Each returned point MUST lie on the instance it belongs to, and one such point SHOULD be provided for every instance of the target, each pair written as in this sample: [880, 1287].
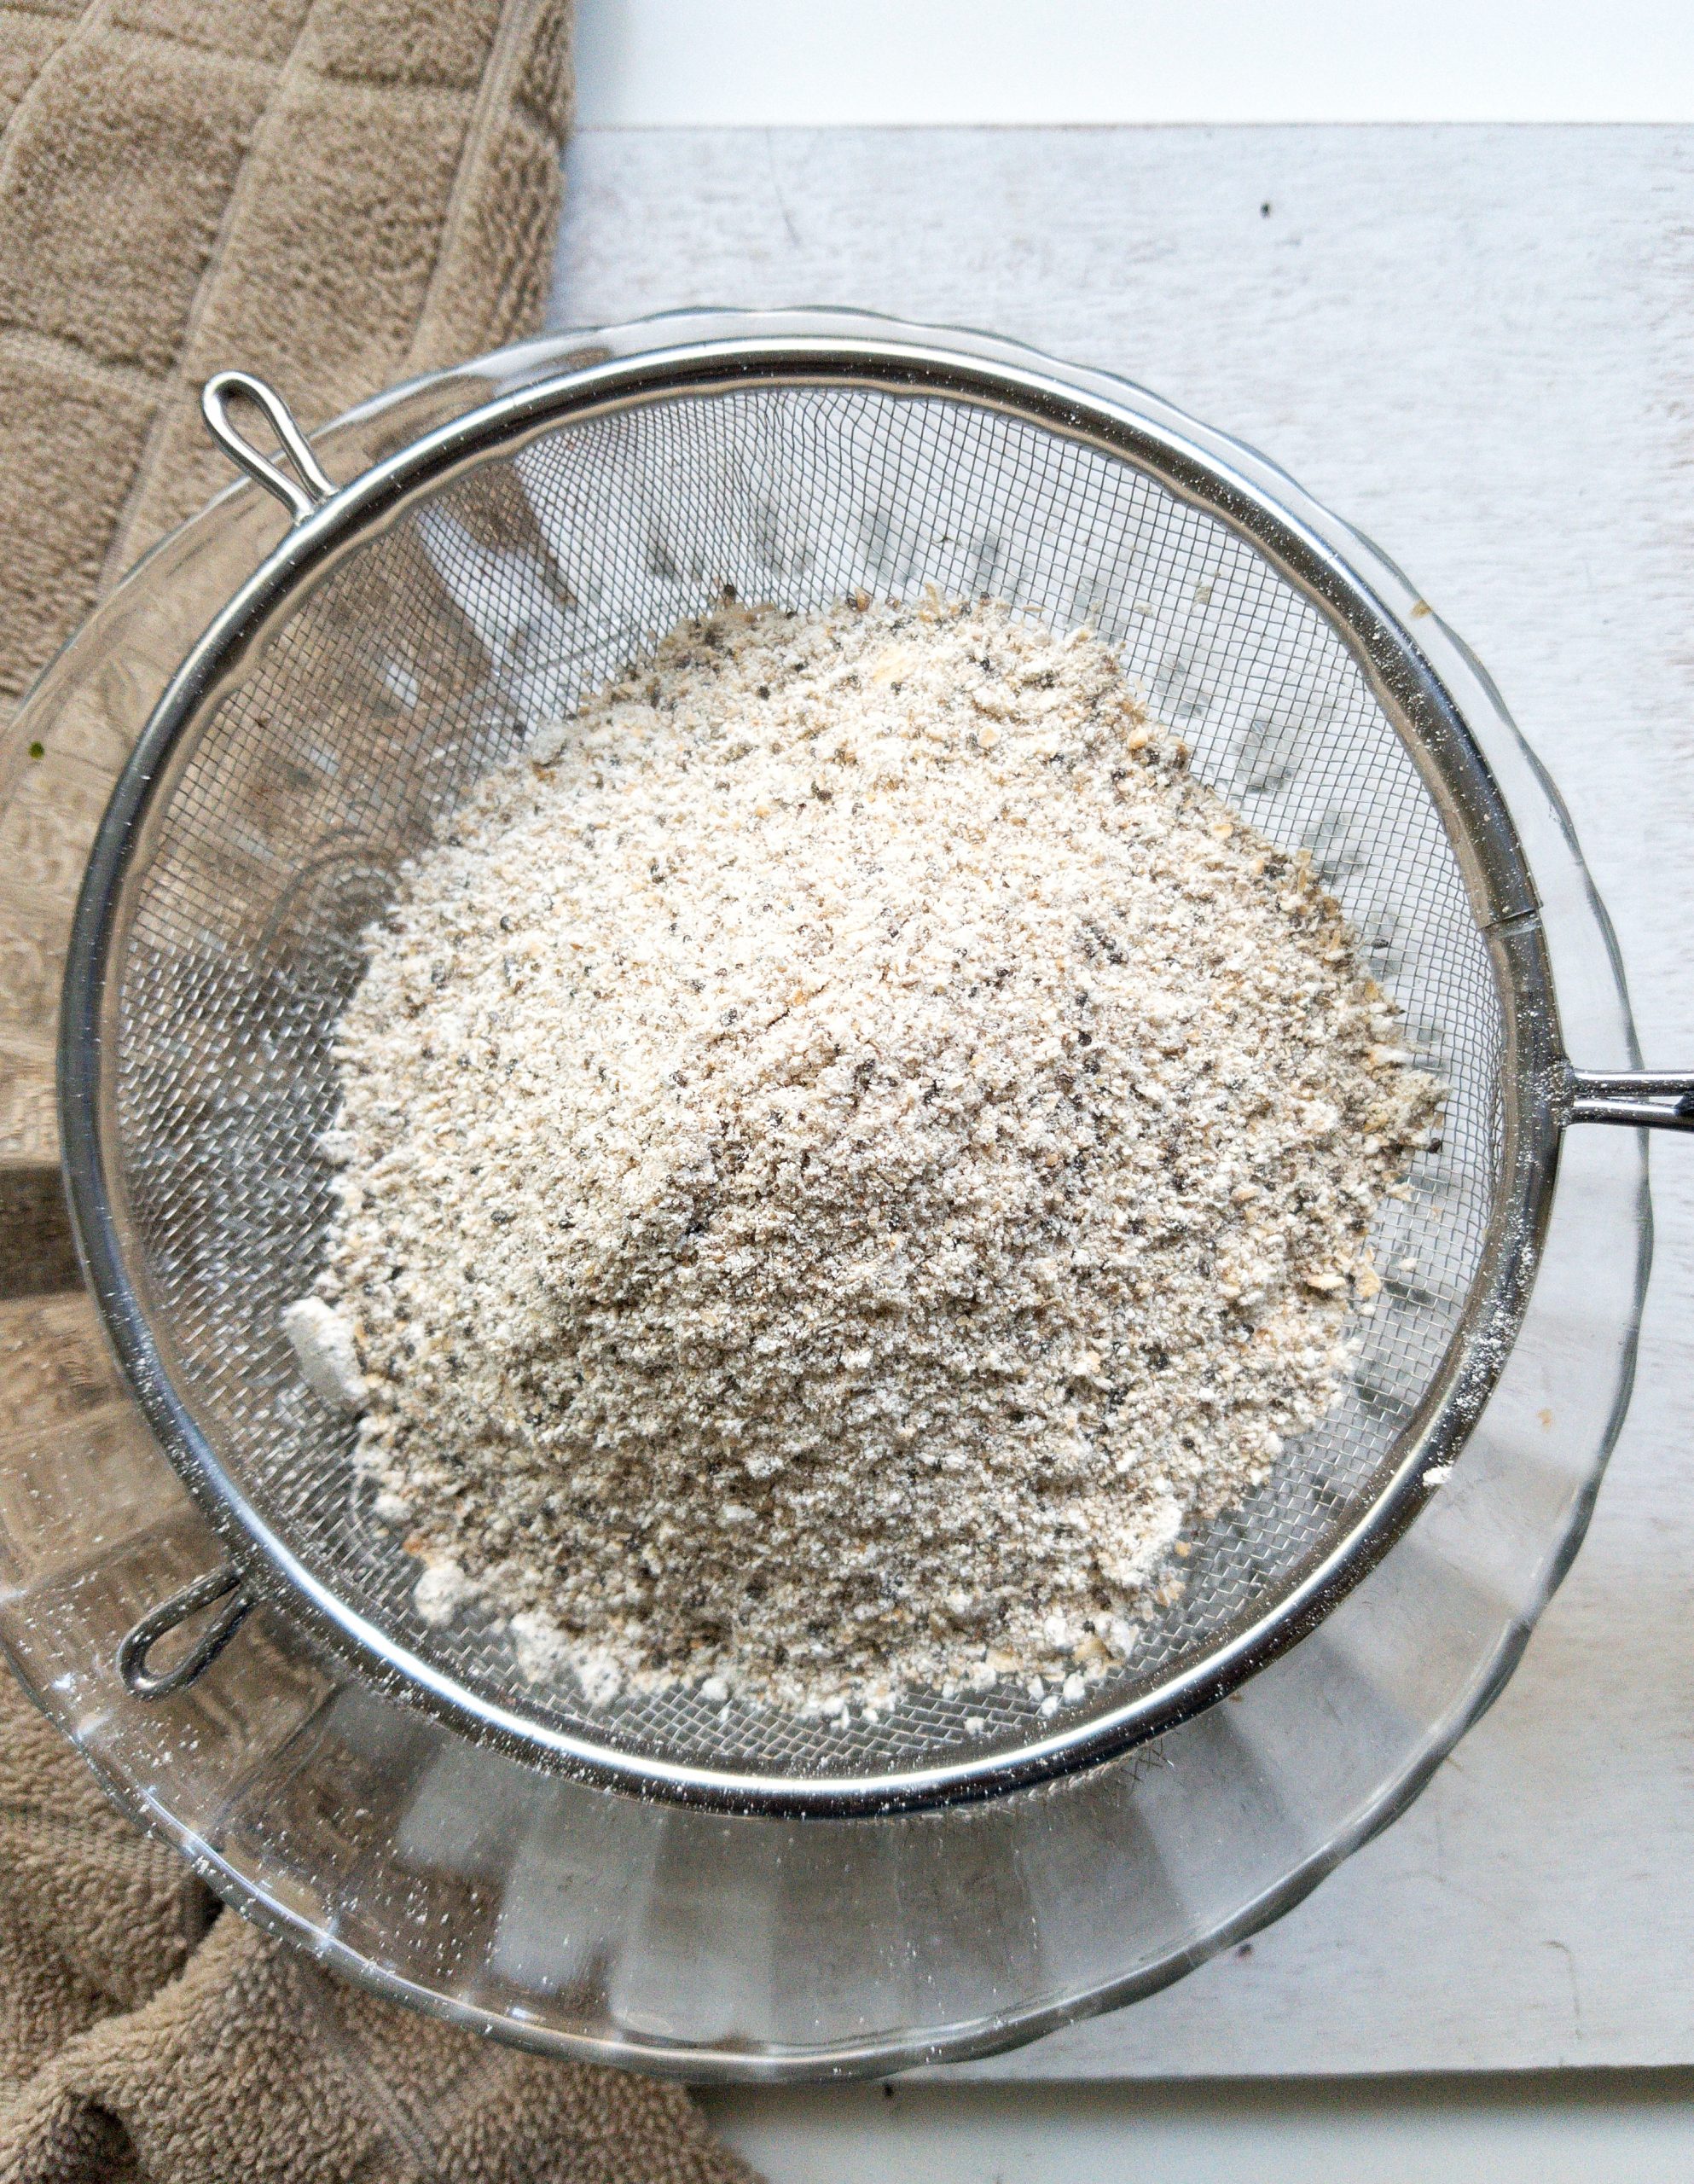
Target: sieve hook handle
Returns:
[309, 488]
[143, 1683]
[1640, 1099]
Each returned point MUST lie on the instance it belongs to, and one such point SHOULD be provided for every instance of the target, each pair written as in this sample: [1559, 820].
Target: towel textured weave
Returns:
[336, 193]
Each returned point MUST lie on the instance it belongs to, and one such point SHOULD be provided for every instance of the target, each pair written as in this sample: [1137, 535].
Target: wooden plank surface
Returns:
[1479, 346]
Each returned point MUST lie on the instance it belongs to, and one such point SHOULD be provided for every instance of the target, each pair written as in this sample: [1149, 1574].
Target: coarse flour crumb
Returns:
[846, 1152]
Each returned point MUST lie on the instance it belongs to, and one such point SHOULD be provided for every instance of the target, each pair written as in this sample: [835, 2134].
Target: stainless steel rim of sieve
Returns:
[1534, 1091]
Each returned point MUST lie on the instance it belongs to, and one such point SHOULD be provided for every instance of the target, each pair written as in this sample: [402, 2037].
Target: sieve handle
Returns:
[1640, 1099]
[309, 488]
[144, 1682]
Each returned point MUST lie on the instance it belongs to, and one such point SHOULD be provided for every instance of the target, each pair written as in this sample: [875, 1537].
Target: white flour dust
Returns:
[846, 1152]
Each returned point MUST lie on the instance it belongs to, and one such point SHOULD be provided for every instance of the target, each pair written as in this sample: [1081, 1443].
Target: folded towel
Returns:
[142, 2039]
[337, 194]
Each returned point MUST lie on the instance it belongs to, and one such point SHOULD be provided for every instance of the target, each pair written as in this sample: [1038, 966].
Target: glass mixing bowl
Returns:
[713, 1945]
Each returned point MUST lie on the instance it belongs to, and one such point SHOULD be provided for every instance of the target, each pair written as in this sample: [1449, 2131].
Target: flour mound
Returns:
[848, 1161]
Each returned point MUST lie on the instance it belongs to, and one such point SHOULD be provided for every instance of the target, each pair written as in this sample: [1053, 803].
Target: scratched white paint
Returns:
[1475, 343]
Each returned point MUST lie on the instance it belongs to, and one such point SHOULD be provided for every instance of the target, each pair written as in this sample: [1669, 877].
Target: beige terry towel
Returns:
[337, 194]
[143, 2043]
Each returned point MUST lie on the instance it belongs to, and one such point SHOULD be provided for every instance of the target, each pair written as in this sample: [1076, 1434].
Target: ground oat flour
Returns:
[846, 1150]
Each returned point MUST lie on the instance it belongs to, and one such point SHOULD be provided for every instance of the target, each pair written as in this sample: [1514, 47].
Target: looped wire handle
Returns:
[309, 488]
[138, 1643]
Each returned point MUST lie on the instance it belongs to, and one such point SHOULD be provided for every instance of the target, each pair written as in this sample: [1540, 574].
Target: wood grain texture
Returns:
[1474, 343]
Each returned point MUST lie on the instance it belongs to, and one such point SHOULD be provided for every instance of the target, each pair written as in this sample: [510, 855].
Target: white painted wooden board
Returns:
[647, 63]
[1479, 346]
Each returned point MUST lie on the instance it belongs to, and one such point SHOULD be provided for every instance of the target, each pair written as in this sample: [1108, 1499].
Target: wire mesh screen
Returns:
[492, 606]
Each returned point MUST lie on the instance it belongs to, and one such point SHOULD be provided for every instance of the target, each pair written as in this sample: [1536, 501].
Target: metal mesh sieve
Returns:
[418, 625]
